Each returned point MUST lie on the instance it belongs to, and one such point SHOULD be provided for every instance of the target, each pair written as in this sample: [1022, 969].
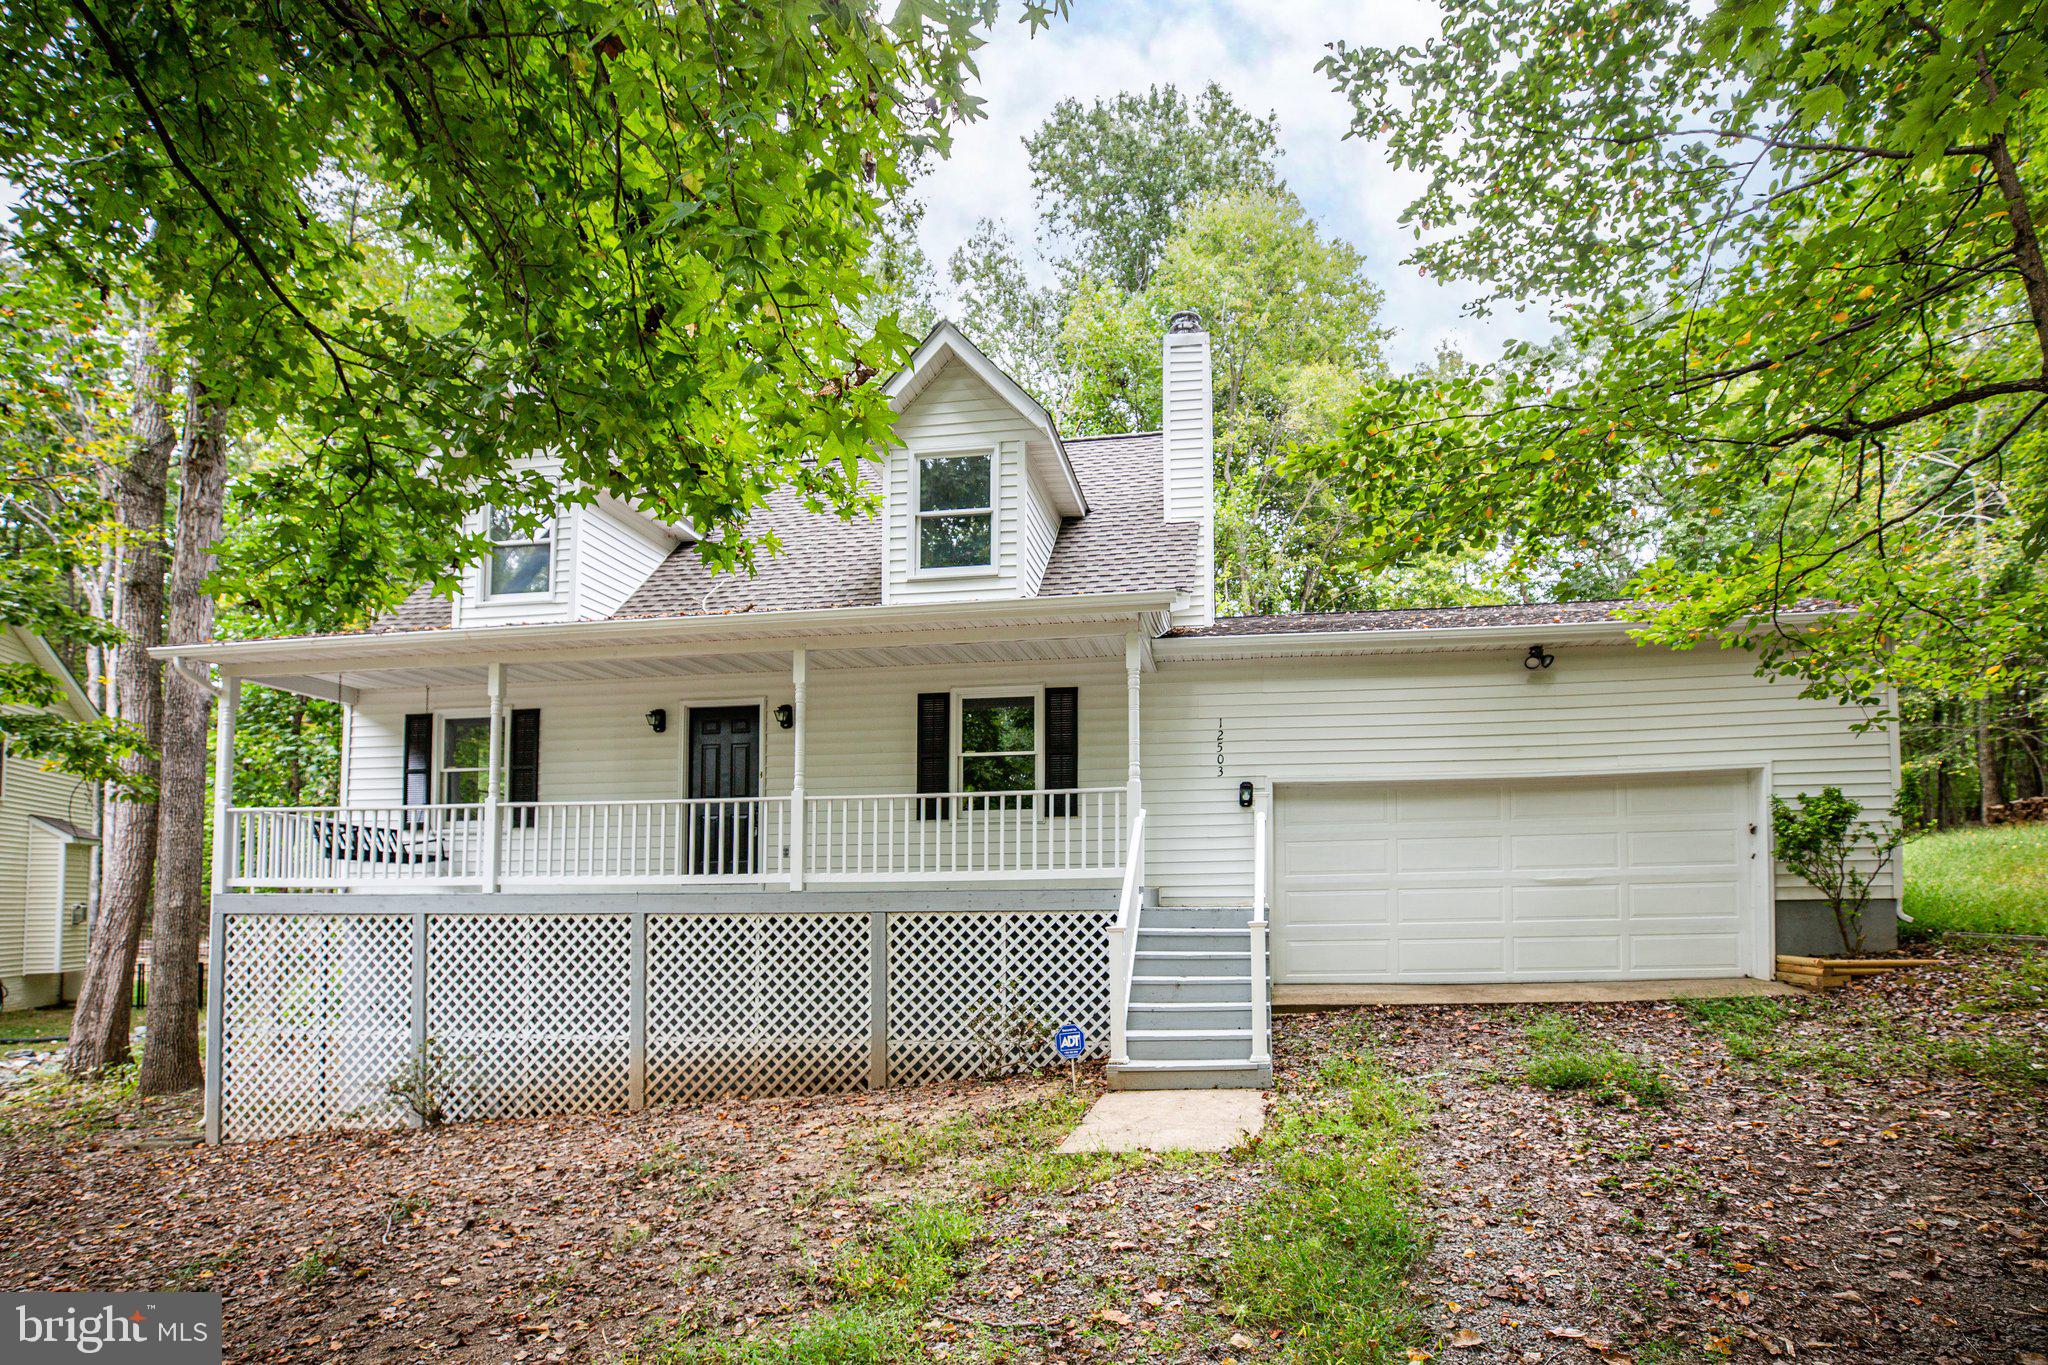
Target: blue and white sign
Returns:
[1069, 1041]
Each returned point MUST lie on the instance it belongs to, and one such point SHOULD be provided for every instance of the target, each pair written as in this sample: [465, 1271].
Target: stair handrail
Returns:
[1262, 1017]
[1123, 943]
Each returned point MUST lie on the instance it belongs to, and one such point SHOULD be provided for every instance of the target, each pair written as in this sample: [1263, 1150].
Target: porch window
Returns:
[955, 511]
[465, 759]
[998, 744]
[520, 560]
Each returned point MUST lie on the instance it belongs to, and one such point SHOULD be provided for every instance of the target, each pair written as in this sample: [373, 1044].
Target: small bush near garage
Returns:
[1561, 1058]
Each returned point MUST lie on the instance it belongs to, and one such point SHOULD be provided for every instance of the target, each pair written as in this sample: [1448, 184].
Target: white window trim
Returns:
[438, 776]
[548, 534]
[957, 740]
[918, 516]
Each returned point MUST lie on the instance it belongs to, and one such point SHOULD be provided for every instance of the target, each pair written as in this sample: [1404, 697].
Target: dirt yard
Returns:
[1857, 1178]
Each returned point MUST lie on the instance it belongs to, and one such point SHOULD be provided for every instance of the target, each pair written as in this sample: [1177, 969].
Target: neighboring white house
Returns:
[48, 821]
[617, 829]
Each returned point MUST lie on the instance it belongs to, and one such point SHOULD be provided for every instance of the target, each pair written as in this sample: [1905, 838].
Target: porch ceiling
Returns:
[346, 683]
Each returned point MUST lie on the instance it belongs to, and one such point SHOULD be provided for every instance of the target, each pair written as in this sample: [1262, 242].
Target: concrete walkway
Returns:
[1169, 1121]
[1523, 993]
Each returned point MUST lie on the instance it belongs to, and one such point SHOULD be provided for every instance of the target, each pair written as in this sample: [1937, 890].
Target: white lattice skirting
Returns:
[534, 1014]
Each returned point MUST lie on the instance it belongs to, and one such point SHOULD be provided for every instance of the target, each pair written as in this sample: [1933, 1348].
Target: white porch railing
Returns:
[1123, 944]
[324, 846]
[1023, 835]
[622, 843]
[1043, 833]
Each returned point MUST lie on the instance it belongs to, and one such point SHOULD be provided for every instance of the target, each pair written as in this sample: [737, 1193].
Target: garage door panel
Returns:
[1525, 880]
[1351, 958]
[1537, 852]
[1450, 802]
[1567, 954]
[1684, 954]
[1337, 853]
[1714, 796]
[1684, 900]
[1340, 905]
[1450, 854]
[1539, 903]
[1445, 956]
[1551, 801]
[1451, 905]
[1695, 848]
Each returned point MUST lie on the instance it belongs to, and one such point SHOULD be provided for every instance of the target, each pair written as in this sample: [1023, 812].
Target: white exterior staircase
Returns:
[1189, 1006]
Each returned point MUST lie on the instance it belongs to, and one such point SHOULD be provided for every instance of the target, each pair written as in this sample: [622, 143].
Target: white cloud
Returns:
[1264, 53]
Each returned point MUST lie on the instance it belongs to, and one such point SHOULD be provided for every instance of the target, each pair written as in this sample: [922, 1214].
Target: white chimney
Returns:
[1187, 418]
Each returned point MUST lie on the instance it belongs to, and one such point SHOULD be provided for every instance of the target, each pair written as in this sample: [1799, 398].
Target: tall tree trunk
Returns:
[170, 1055]
[99, 1027]
[1990, 784]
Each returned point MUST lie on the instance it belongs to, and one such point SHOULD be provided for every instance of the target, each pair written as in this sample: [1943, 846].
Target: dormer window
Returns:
[955, 511]
[520, 560]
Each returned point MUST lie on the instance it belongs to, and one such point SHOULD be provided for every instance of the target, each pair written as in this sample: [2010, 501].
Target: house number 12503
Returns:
[1219, 748]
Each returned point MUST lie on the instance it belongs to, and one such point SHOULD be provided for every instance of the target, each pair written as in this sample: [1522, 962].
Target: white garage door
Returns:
[1577, 879]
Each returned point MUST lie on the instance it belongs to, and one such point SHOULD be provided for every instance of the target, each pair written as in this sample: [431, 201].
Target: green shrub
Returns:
[1822, 840]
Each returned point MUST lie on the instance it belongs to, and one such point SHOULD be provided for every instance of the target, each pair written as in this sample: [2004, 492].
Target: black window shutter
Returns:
[418, 786]
[522, 776]
[934, 759]
[1062, 746]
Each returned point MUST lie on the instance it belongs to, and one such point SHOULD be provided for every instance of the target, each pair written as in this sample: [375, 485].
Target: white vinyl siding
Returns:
[615, 559]
[29, 790]
[595, 743]
[956, 414]
[77, 890]
[1468, 715]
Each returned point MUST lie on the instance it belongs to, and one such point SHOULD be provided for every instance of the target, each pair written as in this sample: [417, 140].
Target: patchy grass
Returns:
[1992, 881]
[2007, 982]
[912, 1262]
[1324, 1254]
[1561, 1058]
[1788, 1037]
[846, 1336]
[18, 1025]
[52, 1105]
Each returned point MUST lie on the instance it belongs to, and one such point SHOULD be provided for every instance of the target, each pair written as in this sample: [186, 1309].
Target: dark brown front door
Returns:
[725, 776]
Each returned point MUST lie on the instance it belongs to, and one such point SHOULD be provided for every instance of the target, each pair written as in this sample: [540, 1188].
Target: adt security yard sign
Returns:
[1069, 1041]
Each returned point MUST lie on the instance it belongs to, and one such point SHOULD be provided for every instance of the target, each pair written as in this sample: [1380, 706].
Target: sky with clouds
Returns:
[1264, 53]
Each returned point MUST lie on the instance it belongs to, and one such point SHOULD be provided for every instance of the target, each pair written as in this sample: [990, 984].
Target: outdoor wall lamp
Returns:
[785, 715]
[657, 720]
[1244, 795]
[1536, 658]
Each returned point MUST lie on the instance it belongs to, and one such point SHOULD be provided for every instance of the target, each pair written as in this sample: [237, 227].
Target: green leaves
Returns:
[414, 247]
[1800, 355]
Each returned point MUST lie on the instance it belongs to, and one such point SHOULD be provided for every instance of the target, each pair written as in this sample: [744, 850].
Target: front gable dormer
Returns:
[977, 484]
[579, 564]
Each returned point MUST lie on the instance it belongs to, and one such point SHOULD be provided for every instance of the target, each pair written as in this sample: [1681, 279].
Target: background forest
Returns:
[284, 292]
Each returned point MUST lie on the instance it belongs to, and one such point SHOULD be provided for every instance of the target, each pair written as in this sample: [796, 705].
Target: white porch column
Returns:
[799, 677]
[224, 781]
[1134, 667]
[495, 685]
[223, 874]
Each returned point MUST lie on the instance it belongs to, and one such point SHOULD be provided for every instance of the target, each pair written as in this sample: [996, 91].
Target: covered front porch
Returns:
[709, 755]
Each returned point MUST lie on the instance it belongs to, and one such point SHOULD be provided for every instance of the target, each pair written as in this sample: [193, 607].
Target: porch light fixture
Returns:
[1244, 795]
[1536, 658]
[785, 715]
[657, 721]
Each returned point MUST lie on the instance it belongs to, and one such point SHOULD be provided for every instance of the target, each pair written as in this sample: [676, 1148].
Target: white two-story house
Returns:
[615, 829]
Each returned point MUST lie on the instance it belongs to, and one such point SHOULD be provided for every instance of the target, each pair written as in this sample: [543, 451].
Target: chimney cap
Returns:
[1186, 320]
